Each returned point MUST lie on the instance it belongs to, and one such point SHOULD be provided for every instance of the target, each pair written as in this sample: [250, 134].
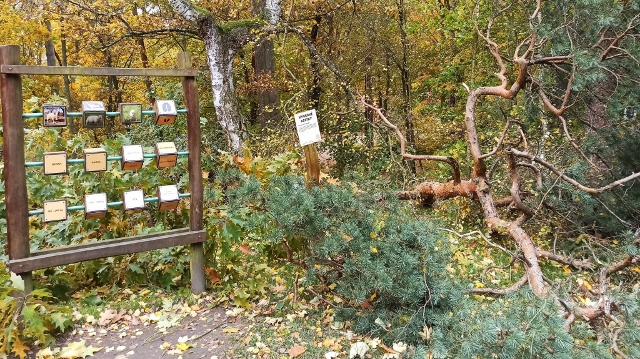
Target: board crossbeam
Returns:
[95, 71]
[106, 248]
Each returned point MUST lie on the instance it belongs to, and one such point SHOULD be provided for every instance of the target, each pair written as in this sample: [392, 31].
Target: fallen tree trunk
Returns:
[429, 192]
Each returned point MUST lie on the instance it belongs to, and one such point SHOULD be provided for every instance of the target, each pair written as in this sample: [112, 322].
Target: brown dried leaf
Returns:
[296, 351]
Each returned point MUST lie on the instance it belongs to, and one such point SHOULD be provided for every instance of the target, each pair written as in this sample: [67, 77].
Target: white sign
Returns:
[95, 202]
[307, 126]
[132, 153]
[168, 193]
[133, 200]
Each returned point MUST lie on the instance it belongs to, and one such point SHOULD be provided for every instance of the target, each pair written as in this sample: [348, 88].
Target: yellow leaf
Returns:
[19, 348]
[230, 330]
[374, 250]
[45, 353]
[373, 235]
[636, 269]
[184, 346]
[346, 237]
[478, 284]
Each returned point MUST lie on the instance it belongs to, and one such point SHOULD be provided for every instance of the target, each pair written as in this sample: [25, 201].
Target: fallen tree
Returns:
[531, 67]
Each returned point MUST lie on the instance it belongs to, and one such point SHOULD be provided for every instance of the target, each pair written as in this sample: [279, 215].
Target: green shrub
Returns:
[27, 318]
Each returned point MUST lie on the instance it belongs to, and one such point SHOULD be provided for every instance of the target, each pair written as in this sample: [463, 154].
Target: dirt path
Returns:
[199, 335]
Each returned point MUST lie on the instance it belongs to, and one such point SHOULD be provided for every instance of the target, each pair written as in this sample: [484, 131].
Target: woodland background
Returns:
[479, 194]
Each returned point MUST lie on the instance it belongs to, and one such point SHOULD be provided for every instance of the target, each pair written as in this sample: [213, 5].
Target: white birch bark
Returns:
[220, 62]
[272, 11]
[220, 54]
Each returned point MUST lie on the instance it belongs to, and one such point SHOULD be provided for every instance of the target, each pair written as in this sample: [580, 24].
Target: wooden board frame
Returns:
[21, 260]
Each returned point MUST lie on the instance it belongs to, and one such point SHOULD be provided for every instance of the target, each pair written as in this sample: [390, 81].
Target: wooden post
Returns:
[190, 91]
[313, 163]
[15, 177]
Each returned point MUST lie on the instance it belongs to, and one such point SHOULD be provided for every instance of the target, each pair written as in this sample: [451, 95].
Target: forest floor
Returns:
[174, 325]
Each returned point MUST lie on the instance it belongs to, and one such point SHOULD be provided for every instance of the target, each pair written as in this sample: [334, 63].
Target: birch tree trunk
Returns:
[221, 48]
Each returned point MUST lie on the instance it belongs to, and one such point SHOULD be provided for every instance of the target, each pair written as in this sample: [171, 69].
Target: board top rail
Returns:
[95, 71]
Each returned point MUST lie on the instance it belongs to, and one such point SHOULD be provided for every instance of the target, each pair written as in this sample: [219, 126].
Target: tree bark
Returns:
[264, 69]
[145, 60]
[221, 47]
[220, 59]
[315, 90]
[405, 76]
[50, 53]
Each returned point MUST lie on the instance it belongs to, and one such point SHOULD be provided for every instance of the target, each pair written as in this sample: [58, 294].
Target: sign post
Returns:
[309, 134]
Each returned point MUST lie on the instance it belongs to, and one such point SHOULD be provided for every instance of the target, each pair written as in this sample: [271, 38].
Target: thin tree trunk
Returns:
[314, 92]
[50, 53]
[368, 112]
[65, 78]
[264, 70]
[145, 60]
[405, 76]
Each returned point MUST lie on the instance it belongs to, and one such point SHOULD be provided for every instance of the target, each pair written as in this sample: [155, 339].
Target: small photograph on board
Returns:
[130, 113]
[93, 114]
[54, 115]
[93, 119]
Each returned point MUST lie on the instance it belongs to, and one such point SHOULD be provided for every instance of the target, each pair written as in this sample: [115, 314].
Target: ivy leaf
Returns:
[19, 348]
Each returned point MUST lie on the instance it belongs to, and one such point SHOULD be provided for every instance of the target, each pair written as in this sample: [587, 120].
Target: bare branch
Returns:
[447, 159]
[515, 187]
[137, 34]
[564, 260]
[613, 45]
[550, 60]
[504, 291]
[483, 236]
[570, 180]
[429, 192]
[504, 133]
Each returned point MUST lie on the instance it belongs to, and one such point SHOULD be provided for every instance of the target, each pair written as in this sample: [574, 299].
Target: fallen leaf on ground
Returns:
[296, 351]
[19, 348]
[45, 353]
[358, 349]
[77, 350]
